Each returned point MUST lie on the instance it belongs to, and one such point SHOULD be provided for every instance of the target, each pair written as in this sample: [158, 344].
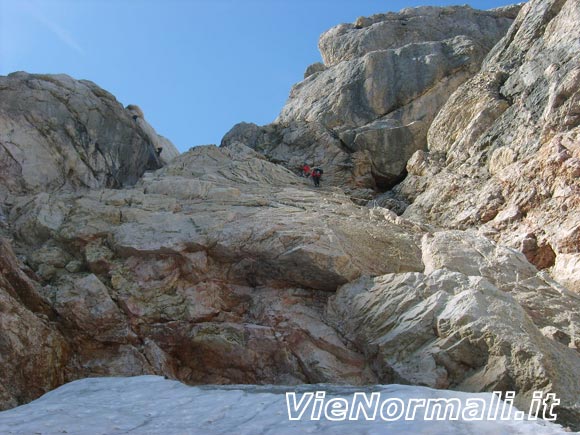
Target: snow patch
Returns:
[152, 405]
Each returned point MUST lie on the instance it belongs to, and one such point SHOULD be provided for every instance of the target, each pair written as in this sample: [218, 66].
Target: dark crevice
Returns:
[386, 183]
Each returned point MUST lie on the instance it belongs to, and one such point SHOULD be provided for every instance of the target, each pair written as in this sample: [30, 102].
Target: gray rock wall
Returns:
[507, 145]
[365, 112]
[226, 267]
[412, 26]
[223, 267]
[61, 133]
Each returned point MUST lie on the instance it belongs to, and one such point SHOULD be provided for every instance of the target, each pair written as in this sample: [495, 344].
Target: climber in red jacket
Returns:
[316, 174]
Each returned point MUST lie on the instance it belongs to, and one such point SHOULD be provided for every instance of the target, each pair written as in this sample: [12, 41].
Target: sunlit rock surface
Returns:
[504, 151]
[364, 112]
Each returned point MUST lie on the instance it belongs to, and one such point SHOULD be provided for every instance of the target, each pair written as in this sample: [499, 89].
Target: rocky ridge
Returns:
[364, 112]
[59, 133]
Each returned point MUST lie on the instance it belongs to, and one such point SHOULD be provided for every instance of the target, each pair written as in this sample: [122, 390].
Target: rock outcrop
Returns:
[479, 318]
[222, 267]
[163, 147]
[410, 26]
[61, 133]
[214, 269]
[364, 112]
[33, 353]
[226, 267]
[504, 152]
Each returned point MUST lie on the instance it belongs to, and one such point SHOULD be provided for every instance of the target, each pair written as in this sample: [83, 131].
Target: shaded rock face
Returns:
[163, 147]
[33, 353]
[364, 112]
[61, 133]
[508, 145]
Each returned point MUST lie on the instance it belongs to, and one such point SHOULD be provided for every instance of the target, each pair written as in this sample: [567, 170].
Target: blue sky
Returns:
[195, 67]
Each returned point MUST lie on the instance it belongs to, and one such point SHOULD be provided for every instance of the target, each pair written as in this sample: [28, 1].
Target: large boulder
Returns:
[232, 204]
[60, 133]
[479, 318]
[504, 151]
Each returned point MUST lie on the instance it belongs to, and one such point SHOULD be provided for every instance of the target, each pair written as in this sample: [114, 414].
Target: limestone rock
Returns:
[510, 140]
[320, 249]
[314, 68]
[410, 26]
[225, 266]
[384, 80]
[214, 269]
[33, 353]
[478, 319]
[86, 303]
[57, 132]
[567, 270]
[163, 147]
[357, 92]
[222, 267]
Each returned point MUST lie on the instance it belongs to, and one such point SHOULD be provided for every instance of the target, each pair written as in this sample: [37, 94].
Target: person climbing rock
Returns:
[305, 170]
[316, 174]
[158, 151]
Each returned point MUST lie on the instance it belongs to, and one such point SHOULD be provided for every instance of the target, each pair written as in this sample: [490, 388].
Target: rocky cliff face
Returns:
[224, 266]
[33, 352]
[215, 269]
[364, 112]
[504, 154]
[60, 133]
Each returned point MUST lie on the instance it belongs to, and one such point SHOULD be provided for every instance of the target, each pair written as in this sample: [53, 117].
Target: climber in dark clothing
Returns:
[316, 174]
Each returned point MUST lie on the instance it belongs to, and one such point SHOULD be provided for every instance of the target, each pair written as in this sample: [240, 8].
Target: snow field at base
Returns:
[151, 405]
